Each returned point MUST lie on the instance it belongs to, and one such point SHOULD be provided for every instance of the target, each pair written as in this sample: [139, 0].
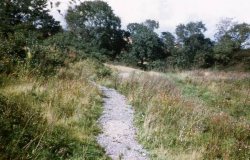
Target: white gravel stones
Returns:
[118, 137]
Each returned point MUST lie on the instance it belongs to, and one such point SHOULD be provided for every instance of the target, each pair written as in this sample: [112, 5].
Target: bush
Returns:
[104, 72]
[158, 65]
[46, 59]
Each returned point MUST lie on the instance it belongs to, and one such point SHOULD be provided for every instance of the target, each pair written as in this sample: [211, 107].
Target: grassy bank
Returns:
[51, 117]
[190, 115]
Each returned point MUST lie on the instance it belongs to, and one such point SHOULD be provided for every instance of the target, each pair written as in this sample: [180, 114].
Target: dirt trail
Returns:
[119, 134]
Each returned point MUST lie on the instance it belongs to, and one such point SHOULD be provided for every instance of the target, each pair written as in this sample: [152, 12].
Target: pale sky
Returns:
[170, 13]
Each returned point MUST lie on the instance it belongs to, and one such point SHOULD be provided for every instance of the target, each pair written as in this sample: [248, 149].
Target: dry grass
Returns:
[225, 91]
[69, 106]
[181, 116]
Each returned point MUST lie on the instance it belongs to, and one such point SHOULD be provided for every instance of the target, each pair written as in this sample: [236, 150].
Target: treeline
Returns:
[99, 35]
[29, 33]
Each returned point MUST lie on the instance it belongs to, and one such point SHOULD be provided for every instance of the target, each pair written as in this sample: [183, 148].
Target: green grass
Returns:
[181, 118]
[51, 117]
[229, 95]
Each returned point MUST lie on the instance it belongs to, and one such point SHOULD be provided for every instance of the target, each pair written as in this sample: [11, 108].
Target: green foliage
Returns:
[192, 48]
[151, 24]
[198, 48]
[223, 51]
[185, 31]
[169, 42]
[159, 65]
[231, 37]
[240, 34]
[21, 50]
[14, 45]
[97, 26]
[46, 59]
[27, 15]
[25, 24]
[104, 72]
[127, 58]
[146, 45]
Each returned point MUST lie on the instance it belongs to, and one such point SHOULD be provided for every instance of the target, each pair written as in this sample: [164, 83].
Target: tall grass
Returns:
[222, 91]
[51, 117]
[177, 121]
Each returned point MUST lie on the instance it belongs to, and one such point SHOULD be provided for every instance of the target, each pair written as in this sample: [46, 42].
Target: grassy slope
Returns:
[191, 115]
[52, 118]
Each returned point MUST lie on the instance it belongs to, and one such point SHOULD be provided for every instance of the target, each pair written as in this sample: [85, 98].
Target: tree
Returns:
[223, 50]
[240, 34]
[24, 22]
[231, 37]
[198, 50]
[194, 48]
[27, 15]
[228, 30]
[223, 27]
[96, 25]
[184, 31]
[169, 41]
[151, 24]
[146, 45]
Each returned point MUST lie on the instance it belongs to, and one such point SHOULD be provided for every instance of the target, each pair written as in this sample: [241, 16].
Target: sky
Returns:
[170, 13]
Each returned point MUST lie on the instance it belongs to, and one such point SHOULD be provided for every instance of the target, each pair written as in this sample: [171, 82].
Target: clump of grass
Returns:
[177, 121]
[51, 117]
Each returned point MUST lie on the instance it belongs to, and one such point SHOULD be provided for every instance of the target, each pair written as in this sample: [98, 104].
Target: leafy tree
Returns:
[146, 45]
[194, 49]
[151, 24]
[237, 33]
[27, 15]
[184, 31]
[223, 50]
[231, 37]
[223, 27]
[240, 34]
[97, 26]
[181, 33]
[24, 24]
[199, 50]
[169, 41]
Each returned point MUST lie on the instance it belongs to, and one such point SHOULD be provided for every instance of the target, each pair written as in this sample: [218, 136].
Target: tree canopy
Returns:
[184, 31]
[146, 45]
[231, 37]
[27, 15]
[95, 24]
[93, 30]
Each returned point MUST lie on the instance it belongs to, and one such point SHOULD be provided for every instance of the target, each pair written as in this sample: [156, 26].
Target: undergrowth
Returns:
[53, 117]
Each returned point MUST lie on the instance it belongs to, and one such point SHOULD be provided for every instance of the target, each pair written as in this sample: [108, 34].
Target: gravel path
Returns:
[118, 137]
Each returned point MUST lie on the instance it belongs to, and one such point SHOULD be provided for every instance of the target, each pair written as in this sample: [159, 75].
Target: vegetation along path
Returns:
[118, 137]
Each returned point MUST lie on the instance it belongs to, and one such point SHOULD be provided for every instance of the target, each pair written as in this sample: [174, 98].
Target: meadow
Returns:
[50, 103]
[199, 114]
